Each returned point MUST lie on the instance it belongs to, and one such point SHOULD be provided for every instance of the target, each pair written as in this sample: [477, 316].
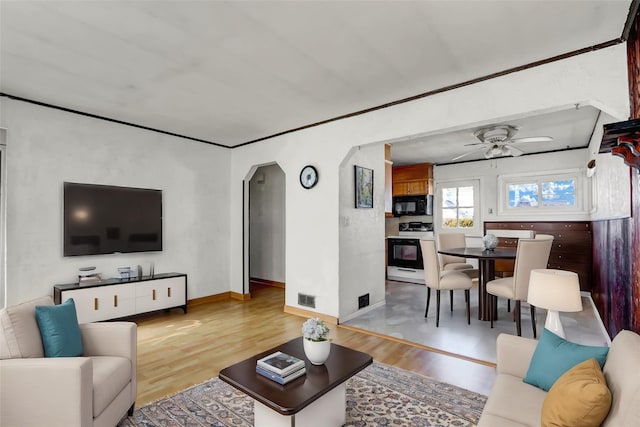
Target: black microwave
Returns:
[413, 205]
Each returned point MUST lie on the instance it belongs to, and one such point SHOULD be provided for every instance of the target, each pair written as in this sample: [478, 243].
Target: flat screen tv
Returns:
[103, 219]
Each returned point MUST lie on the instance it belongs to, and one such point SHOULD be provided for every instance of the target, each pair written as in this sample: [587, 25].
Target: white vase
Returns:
[317, 351]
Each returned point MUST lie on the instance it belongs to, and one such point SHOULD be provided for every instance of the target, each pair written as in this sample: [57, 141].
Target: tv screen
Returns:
[103, 219]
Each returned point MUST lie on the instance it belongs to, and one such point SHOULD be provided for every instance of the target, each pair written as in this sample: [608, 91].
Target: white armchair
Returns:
[94, 390]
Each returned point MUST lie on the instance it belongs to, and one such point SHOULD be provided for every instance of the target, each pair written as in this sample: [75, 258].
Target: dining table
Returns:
[486, 263]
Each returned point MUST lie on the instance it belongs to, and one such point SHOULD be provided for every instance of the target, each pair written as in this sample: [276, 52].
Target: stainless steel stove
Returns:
[415, 226]
[404, 261]
[418, 230]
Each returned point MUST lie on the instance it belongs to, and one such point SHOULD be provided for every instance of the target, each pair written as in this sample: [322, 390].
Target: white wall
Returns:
[313, 257]
[361, 233]
[606, 195]
[203, 194]
[267, 224]
[46, 147]
[611, 188]
[488, 171]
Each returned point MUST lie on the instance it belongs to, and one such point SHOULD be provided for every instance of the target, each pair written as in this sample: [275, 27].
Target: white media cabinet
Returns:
[117, 298]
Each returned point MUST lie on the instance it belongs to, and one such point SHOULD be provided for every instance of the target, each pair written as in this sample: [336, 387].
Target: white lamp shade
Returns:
[555, 290]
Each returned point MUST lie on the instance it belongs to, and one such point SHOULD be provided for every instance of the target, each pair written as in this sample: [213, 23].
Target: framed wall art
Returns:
[364, 187]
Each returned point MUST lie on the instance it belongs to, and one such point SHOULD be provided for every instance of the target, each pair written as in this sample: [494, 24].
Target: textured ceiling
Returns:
[230, 72]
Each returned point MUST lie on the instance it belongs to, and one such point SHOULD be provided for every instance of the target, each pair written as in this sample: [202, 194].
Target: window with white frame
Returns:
[459, 209]
[545, 192]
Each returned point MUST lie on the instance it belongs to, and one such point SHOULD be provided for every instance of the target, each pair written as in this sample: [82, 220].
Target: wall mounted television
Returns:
[104, 219]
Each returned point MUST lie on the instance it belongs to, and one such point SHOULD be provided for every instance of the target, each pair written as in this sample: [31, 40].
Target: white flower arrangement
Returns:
[315, 329]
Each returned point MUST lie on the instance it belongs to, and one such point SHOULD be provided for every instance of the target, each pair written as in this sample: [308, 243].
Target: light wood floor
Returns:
[176, 350]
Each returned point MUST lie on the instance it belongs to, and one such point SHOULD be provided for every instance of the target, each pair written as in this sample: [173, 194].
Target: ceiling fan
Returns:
[498, 140]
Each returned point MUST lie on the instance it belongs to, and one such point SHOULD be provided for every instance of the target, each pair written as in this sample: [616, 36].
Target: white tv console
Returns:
[117, 298]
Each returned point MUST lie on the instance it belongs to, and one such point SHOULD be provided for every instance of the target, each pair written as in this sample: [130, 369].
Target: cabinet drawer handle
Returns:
[169, 292]
[95, 303]
[115, 300]
[153, 295]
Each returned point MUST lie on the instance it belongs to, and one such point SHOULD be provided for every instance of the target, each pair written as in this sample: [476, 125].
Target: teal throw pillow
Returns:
[59, 329]
[554, 356]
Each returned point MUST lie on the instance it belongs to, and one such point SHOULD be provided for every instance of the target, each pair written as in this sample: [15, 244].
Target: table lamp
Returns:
[555, 290]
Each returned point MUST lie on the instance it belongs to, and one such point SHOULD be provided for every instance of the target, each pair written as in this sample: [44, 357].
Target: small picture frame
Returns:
[364, 187]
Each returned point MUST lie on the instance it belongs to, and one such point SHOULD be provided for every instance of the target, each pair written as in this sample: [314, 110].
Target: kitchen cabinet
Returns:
[571, 249]
[410, 188]
[411, 180]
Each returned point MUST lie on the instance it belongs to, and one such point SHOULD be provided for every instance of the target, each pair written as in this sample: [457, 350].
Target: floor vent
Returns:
[307, 300]
[363, 301]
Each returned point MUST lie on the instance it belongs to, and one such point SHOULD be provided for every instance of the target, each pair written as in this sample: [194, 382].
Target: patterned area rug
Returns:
[380, 395]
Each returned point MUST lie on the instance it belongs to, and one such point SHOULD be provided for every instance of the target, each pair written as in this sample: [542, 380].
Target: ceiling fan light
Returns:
[488, 154]
[496, 151]
[506, 151]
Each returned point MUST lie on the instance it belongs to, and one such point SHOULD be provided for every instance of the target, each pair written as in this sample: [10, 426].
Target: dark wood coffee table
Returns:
[317, 398]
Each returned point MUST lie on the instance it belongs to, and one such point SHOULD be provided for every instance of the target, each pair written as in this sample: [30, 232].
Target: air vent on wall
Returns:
[307, 300]
[363, 301]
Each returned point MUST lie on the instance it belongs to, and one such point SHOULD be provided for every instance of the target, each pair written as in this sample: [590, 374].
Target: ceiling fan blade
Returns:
[515, 152]
[467, 153]
[532, 139]
[474, 143]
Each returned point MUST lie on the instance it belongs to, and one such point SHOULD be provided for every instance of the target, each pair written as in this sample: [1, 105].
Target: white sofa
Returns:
[95, 390]
[515, 403]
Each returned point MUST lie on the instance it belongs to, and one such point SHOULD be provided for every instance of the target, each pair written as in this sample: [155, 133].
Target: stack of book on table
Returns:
[280, 367]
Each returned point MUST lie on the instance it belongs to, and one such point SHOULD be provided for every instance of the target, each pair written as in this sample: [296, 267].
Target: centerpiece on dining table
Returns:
[490, 241]
[316, 342]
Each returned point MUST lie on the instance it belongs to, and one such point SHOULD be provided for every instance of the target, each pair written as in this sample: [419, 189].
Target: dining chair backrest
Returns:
[531, 254]
[505, 267]
[431, 266]
[449, 241]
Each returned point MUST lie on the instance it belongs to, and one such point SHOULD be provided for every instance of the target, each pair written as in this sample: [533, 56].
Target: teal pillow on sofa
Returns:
[554, 356]
[59, 329]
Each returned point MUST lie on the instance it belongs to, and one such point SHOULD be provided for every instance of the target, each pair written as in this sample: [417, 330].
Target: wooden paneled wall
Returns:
[612, 273]
[633, 65]
[616, 243]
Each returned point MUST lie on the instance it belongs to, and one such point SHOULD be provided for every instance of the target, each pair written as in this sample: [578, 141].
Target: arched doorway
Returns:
[266, 219]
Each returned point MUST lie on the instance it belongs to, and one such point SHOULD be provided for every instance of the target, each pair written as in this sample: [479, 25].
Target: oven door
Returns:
[404, 253]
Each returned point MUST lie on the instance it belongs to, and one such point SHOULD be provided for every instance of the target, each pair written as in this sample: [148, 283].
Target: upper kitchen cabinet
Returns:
[411, 180]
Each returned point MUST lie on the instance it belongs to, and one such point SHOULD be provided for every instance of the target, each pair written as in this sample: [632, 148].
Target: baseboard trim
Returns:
[267, 282]
[420, 346]
[208, 299]
[308, 313]
[241, 297]
[223, 296]
[362, 311]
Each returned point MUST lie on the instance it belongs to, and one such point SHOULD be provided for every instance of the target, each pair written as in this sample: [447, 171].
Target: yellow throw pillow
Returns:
[580, 397]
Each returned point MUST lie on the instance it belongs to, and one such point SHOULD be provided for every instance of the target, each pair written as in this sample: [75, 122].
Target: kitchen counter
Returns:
[423, 235]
